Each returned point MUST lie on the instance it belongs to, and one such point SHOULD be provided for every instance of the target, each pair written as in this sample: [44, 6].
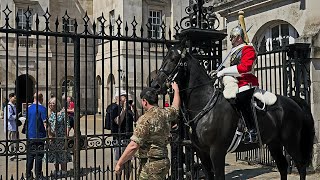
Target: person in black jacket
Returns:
[119, 116]
[119, 119]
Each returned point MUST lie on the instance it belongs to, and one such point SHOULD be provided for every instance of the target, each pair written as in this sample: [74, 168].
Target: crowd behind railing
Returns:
[47, 130]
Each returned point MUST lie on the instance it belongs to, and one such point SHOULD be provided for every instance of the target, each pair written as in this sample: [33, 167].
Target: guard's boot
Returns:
[244, 106]
[250, 135]
[246, 137]
[253, 136]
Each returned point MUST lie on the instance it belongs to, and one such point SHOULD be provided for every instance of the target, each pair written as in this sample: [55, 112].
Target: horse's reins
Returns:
[211, 103]
[209, 82]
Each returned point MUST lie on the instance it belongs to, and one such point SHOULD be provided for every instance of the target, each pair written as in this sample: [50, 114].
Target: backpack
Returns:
[109, 113]
[18, 122]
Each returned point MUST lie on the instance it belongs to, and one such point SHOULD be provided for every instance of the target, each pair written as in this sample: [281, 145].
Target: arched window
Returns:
[69, 86]
[275, 37]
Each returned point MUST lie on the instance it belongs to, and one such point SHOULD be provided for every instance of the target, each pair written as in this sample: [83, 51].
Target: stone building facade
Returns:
[142, 11]
[276, 23]
[60, 51]
[46, 65]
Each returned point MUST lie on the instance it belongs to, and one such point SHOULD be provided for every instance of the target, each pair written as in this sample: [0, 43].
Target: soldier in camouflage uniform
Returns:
[151, 136]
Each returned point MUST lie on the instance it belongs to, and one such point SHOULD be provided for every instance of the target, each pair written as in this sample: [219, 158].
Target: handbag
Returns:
[19, 123]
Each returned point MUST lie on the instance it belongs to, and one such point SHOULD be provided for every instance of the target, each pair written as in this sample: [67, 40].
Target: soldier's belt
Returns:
[156, 159]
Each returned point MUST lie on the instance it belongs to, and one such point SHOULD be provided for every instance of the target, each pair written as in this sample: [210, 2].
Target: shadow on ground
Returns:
[248, 173]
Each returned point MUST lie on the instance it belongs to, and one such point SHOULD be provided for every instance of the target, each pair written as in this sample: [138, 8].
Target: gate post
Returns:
[203, 42]
[76, 148]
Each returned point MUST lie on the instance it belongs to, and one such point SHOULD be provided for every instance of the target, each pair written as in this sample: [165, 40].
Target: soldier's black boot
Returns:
[244, 106]
[251, 132]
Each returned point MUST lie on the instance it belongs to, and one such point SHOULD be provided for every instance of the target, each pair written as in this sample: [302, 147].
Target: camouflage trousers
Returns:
[153, 169]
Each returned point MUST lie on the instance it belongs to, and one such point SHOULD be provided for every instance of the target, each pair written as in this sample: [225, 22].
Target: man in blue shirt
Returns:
[37, 115]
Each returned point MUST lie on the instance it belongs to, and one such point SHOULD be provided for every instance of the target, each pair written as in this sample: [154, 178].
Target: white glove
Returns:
[220, 73]
[229, 71]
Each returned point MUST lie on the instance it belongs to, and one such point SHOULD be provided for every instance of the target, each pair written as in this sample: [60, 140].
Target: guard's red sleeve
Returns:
[247, 59]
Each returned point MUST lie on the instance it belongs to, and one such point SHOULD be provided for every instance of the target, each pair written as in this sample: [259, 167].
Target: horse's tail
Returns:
[307, 131]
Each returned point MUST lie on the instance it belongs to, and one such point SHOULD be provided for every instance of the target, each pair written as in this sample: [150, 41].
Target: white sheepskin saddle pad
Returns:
[231, 89]
[265, 96]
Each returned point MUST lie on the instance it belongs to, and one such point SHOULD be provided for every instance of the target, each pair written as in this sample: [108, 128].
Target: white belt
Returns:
[246, 87]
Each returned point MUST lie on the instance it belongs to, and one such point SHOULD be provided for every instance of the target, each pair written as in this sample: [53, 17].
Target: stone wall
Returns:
[315, 91]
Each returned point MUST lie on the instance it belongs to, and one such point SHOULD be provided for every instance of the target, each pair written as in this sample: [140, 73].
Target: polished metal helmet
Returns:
[236, 31]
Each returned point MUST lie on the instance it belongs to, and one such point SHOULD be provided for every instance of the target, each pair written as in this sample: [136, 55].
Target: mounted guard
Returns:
[242, 61]
[285, 123]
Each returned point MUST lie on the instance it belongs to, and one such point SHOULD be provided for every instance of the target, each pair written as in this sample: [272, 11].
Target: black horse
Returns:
[288, 123]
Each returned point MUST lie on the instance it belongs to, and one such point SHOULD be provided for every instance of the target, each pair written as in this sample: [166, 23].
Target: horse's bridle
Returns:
[170, 78]
[172, 75]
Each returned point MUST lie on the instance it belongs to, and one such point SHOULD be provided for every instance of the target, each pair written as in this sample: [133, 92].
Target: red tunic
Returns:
[248, 56]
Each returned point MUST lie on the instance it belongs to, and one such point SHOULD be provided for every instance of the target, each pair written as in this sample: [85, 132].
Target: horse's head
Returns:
[170, 67]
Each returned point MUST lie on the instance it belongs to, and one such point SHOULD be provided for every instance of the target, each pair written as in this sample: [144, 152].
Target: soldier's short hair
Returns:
[150, 94]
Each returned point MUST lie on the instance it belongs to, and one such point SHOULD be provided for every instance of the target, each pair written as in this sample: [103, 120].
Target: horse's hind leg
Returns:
[206, 164]
[295, 152]
[302, 169]
[277, 154]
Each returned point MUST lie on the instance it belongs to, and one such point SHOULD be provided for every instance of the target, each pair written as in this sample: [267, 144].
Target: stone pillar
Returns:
[315, 108]
[315, 98]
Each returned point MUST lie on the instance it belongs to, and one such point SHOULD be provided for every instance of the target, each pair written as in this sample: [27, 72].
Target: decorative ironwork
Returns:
[199, 16]
[119, 23]
[96, 29]
[297, 71]
[134, 27]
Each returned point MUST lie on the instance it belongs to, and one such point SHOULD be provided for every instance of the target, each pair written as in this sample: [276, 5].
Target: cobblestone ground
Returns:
[103, 158]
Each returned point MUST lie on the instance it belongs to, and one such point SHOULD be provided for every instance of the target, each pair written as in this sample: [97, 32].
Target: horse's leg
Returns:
[294, 151]
[206, 164]
[302, 168]
[277, 154]
[218, 158]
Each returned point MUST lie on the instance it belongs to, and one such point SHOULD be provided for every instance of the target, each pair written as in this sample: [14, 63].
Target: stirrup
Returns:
[250, 136]
[253, 136]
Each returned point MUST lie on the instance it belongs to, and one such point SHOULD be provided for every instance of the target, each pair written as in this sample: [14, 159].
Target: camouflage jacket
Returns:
[152, 132]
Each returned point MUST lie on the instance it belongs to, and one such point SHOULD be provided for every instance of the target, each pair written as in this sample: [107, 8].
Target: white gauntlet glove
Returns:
[220, 73]
[229, 71]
